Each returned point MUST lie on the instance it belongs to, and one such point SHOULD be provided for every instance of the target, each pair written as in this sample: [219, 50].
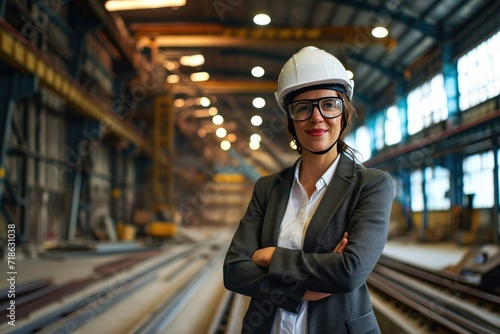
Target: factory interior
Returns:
[132, 134]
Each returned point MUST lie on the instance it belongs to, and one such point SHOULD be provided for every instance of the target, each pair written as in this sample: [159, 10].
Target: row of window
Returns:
[477, 180]
[427, 104]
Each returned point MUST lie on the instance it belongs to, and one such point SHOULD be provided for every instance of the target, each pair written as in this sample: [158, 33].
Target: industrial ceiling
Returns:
[223, 31]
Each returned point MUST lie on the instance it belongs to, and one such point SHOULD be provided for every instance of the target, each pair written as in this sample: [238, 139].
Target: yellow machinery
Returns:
[159, 229]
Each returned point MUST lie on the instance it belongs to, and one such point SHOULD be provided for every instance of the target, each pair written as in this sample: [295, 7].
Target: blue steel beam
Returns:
[2, 7]
[246, 169]
[450, 77]
[418, 24]
[396, 75]
[75, 203]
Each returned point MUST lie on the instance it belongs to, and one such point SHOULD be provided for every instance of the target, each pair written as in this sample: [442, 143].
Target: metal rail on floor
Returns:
[426, 295]
[163, 316]
[77, 312]
[444, 279]
[220, 317]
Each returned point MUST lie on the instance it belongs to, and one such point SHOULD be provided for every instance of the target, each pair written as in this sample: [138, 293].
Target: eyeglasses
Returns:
[329, 107]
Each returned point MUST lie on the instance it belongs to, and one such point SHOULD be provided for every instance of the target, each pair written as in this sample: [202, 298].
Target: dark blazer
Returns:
[358, 200]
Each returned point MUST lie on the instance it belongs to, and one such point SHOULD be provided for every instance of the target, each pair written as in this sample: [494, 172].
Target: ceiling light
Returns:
[218, 119]
[193, 61]
[225, 145]
[254, 145]
[380, 32]
[256, 120]
[221, 132]
[258, 71]
[202, 133]
[173, 78]
[169, 65]
[255, 138]
[231, 137]
[262, 19]
[199, 76]
[200, 113]
[350, 75]
[259, 102]
[213, 111]
[179, 103]
[205, 101]
[115, 5]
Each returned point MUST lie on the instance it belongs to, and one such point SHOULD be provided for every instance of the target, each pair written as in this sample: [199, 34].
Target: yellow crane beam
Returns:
[231, 87]
[214, 35]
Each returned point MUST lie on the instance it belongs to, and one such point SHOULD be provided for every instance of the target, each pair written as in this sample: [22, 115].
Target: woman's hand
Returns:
[263, 256]
[312, 296]
[341, 245]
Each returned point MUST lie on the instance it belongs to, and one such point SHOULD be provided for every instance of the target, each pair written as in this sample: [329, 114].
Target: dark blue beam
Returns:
[412, 22]
[377, 65]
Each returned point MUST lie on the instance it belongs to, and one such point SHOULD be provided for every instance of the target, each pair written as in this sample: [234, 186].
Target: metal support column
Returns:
[455, 165]
[405, 176]
[496, 191]
[15, 87]
[450, 77]
[163, 144]
[81, 137]
[6, 99]
[402, 103]
[2, 7]
[75, 203]
[425, 212]
[117, 185]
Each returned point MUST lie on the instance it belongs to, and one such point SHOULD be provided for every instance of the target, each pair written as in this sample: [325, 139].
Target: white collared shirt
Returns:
[298, 214]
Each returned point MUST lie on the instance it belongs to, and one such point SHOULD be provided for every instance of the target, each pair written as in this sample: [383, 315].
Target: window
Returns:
[392, 126]
[479, 73]
[437, 184]
[379, 131]
[349, 140]
[417, 194]
[427, 105]
[363, 142]
[478, 179]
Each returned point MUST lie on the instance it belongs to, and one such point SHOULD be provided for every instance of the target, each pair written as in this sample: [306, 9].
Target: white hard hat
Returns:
[310, 67]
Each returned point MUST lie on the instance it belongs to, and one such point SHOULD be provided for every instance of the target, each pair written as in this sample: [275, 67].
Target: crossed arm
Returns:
[263, 258]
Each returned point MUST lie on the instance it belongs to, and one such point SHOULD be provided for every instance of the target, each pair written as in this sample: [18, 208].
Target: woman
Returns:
[313, 232]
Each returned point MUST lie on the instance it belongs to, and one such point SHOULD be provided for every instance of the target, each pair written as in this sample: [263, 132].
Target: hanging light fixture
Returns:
[117, 5]
[262, 19]
[380, 32]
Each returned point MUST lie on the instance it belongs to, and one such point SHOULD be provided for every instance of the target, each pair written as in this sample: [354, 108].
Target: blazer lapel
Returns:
[335, 194]
[276, 207]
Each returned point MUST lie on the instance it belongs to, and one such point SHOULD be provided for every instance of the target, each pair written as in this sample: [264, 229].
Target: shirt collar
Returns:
[326, 178]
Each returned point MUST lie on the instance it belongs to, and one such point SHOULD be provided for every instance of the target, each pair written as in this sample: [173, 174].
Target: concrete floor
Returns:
[436, 256]
[428, 255]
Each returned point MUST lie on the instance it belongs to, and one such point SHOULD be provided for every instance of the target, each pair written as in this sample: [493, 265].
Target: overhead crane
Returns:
[213, 35]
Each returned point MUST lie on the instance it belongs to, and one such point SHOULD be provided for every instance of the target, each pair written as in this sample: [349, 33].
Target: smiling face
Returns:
[318, 133]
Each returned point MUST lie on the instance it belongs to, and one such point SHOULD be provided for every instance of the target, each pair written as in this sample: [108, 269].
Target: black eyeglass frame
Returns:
[316, 103]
